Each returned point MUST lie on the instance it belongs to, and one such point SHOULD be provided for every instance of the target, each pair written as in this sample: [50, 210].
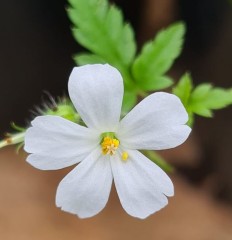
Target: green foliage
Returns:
[87, 58]
[99, 28]
[202, 99]
[183, 89]
[206, 98]
[129, 101]
[157, 57]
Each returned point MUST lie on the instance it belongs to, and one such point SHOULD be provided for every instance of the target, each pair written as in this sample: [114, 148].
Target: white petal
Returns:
[155, 123]
[141, 184]
[85, 190]
[57, 143]
[97, 91]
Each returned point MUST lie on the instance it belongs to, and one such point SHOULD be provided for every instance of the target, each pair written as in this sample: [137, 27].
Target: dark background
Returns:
[36, 48]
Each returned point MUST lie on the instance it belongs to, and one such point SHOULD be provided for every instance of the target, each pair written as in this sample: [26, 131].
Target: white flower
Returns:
[107, 147]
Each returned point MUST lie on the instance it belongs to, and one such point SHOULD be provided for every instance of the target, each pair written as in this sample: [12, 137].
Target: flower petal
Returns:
[140, 184]
[155, 123]
[85, 190]
[97, 91]
[57, 143]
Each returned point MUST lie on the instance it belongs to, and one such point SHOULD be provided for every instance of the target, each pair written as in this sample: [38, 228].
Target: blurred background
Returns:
[36, 48]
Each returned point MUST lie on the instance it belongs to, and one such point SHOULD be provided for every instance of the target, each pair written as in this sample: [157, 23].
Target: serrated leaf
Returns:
[203, 99]
[183, 89]
[206, 98]
[219, 98]
[158, 83]
[202, 111]
[201, 92]
[87, 58]
[157, 57]
[99, 28]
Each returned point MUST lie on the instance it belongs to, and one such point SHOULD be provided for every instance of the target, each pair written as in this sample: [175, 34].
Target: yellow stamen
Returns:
[124, 156]
[109, 145]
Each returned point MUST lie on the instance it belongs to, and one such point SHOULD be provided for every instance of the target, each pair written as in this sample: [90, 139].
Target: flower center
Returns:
[110, 144]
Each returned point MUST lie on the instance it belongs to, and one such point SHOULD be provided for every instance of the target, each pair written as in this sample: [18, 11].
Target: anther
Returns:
[124, 156]
[109, 145]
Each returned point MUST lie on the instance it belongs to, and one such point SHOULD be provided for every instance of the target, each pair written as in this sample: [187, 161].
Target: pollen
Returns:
[109, 145]
[124, 156]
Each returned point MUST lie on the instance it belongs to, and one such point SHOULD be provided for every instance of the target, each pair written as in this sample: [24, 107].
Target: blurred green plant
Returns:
[99, 27]
[202, 99]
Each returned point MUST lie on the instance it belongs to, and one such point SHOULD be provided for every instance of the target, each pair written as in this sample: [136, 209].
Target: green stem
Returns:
[13, 139]
[142, 93]
[157, 159]
[131, 84]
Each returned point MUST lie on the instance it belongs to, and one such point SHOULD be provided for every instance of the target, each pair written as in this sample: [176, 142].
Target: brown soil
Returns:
[28, 212]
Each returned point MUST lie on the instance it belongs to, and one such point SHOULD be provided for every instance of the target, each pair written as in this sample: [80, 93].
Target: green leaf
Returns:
[218, 98]
[99, 28]
[86, 58]
[157, 57]
[201, 91]
[160, 82]
[183, 89]
[201, 110]
[129, 101]
[205, 98]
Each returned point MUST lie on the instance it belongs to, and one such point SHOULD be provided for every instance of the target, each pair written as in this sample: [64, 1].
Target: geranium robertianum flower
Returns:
[107, 147]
